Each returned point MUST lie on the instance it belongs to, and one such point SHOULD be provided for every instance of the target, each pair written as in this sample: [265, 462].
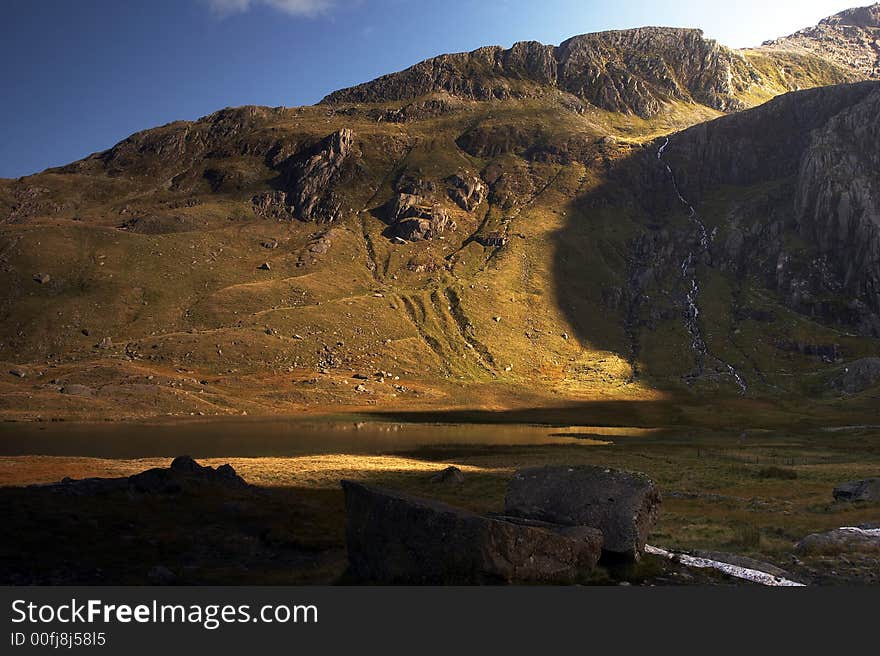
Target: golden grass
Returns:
[323, 471]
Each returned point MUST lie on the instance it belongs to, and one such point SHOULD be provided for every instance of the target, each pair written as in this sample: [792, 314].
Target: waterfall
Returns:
[692, 283]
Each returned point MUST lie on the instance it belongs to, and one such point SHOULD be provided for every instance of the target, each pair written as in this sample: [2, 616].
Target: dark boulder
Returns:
[451, 475]
[395, 538]
[865, 490]
[623, 505]
[184, 473]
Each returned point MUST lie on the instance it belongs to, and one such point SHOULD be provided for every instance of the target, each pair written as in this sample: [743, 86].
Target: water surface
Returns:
[265, 437]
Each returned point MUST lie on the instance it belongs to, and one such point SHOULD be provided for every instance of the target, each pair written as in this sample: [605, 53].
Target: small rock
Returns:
[18, 373]
[42, 278]
[265, 266]
[451, 475]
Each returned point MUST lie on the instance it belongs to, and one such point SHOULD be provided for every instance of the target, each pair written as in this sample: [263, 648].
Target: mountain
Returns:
[638, 71]
[851, 39]
[633, 215]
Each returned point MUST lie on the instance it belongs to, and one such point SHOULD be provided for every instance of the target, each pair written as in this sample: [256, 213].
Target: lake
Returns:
[276, 437]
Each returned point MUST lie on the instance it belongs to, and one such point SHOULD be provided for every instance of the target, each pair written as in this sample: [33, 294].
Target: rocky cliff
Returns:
[781, 199]
[636, 71]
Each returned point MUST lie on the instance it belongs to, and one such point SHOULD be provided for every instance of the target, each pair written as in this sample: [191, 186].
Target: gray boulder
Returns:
[623, 505]
[865, 490]
[395, 538]
[841, 541]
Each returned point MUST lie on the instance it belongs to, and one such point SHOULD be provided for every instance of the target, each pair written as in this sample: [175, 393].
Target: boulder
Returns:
[841, 540]
[623, 505]
[865, 490]
[395, 538]
[451, 475]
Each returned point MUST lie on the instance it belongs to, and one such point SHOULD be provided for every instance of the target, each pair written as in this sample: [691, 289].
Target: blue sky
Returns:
[79, 75]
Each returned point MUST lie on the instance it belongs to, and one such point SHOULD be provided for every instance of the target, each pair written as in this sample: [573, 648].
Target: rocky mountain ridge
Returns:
[850, 38]
[634, 71]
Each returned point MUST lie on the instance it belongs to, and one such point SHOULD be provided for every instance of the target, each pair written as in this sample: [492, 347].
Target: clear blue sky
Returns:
[79, 75]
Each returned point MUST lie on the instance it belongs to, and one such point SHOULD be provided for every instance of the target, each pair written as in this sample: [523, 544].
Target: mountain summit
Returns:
[636, 71]
[850, 39]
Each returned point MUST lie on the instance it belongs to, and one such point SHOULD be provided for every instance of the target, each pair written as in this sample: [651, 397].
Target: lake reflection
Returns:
[256, 437]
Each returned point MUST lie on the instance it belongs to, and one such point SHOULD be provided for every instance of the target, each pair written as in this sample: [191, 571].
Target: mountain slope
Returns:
[492, 228]
[851, 39]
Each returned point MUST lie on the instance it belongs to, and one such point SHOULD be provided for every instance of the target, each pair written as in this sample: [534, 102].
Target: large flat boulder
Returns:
[395, 538]
[623, 505]
[847, 540]
[864, 490]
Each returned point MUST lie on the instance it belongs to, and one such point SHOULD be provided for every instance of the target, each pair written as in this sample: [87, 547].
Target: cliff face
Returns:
[789, 198]
[850, 39]
[837, 205]
[634, 71]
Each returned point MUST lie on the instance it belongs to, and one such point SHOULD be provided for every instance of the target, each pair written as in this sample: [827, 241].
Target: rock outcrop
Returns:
[850, 39]
[183, 474]
[310, 182]
[467, 190]
[636, 71]
[395, 538]
[413, 218]
[623, 505]
[855, 377]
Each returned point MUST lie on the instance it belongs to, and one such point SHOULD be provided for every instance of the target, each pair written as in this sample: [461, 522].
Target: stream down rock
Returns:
[398, 538]
[623, 505]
